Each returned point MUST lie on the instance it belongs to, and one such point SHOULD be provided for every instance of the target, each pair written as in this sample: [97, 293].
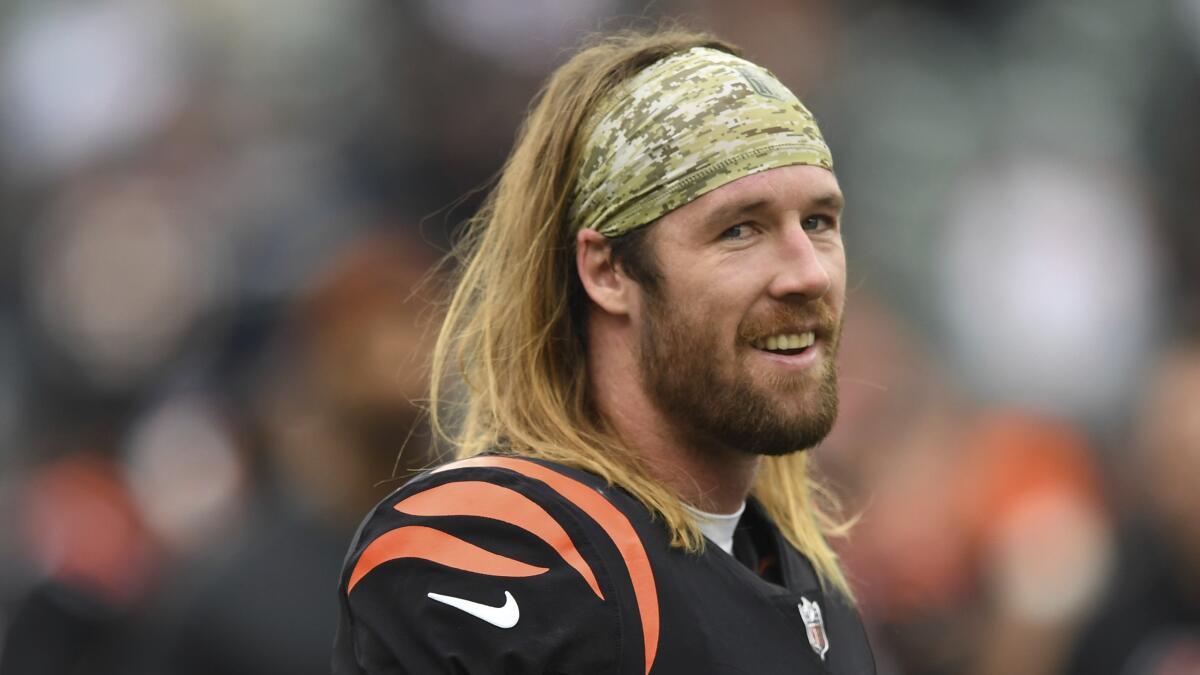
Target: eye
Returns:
[818, 222]
[739, 231]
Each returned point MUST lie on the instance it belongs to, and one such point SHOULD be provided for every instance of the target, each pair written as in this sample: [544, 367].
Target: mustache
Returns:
[818, 317]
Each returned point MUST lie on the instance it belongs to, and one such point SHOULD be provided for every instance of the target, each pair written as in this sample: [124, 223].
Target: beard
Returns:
[714, 401]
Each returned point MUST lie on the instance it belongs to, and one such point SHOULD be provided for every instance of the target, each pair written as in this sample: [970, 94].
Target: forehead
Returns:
[785, 188]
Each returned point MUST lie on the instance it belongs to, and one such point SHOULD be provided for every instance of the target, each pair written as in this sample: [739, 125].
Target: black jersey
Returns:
[500, 564]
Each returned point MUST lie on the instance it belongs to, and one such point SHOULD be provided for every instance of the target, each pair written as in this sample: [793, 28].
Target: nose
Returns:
[800, 271]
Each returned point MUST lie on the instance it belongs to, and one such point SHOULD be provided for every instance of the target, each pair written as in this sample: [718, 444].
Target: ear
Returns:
[604, 282]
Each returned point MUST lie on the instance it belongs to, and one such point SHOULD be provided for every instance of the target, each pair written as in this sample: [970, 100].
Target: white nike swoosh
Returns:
[504, 616]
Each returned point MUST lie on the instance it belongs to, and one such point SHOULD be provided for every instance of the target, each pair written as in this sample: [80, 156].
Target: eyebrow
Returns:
[735, 210]
[828, 200]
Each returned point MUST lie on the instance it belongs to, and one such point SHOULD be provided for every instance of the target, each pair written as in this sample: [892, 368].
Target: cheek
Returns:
[834, 261]
[713, 296]
[697, 322]
[722, 312]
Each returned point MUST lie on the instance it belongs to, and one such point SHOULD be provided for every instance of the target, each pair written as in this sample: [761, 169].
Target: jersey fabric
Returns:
[500, 564]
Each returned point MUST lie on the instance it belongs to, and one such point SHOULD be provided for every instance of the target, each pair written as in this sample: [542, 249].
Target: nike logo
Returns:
[504, 616]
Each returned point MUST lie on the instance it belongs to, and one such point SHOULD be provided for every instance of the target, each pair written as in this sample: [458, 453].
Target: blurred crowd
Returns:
[219, 223]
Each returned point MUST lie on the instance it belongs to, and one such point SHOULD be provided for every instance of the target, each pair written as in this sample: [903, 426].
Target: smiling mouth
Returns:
[786, 344]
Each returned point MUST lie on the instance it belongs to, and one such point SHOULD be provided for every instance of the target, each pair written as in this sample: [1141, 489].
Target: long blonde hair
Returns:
[508, 367]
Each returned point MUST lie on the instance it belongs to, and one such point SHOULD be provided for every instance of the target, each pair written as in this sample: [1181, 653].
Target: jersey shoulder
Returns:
[492, 563]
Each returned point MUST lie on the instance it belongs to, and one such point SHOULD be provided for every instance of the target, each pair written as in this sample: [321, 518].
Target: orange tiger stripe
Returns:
[610, 519]
[488, 500]
[415, 541]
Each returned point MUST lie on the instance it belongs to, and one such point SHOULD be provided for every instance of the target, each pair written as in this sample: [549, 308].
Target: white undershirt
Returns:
[718, 527]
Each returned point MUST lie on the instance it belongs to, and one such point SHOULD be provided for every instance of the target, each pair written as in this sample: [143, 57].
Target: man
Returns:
[640, 343]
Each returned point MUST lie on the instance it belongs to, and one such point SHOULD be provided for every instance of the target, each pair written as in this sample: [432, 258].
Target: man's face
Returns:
[737, 342]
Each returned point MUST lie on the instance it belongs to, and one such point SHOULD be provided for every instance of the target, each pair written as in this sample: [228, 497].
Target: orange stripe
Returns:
[611, 520]
[488, 500]
[415, 541]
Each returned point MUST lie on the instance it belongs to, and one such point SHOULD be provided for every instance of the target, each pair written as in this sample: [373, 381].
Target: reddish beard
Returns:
[718, 403]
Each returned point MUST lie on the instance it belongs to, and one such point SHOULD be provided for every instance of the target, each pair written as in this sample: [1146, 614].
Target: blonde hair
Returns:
[508, 367]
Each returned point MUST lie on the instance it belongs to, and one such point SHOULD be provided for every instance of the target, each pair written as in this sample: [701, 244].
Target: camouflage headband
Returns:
[682, 127]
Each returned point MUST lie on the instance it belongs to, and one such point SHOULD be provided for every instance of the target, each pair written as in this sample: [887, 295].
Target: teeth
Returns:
[786, 341]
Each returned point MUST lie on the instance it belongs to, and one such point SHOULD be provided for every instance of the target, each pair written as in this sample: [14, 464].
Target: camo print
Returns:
[682, 127]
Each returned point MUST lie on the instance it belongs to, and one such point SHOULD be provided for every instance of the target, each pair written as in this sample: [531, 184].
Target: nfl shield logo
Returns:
[814, 626]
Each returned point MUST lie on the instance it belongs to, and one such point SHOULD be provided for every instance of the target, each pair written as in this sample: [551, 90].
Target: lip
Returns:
[799, 361]
[815, 327]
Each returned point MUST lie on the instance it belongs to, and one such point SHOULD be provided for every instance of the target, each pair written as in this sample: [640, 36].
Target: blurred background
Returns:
[215, 215]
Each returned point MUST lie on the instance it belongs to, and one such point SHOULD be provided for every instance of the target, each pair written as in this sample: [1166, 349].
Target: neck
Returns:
[707, 476]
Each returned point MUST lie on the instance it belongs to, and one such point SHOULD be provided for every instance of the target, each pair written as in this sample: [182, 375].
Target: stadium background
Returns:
[213, 215]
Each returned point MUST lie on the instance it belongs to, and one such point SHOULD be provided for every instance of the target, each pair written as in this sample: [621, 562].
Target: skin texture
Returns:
[675, 371]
